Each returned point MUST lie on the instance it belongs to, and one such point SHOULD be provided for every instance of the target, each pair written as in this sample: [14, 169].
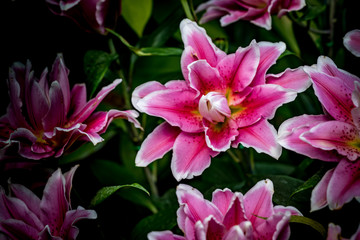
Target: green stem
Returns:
[151, 177]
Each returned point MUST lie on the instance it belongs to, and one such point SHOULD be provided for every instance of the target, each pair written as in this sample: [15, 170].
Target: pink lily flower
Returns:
[332, 137]
[352, 42]
[24, 216]
[230, 215]
[223, 101]
[257, 12]
[44, 118]
[334, 233]
[90, 15]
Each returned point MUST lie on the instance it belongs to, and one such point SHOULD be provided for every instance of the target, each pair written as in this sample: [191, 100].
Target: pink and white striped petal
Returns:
[293, 79]
[222, 199]
[261, 136]
[289, 137]
[318, 198]
[335, 135]
[219, 136]
[193, 161]
[157, 143]
[164, 235]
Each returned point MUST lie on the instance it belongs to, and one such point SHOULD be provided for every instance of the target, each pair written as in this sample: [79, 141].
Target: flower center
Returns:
[214, 107]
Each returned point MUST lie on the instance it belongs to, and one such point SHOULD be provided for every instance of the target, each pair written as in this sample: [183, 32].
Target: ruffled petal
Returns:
[193, 161]
[275, 227]
[289, 137]
[261, 136]
[157, 143]
[334, 135]
[219, 136]
[293, 79]
[143, 90]
[222, 199]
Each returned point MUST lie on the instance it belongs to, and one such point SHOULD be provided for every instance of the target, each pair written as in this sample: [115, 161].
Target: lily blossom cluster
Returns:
[333, 136]
[90, 15]
[225, 100]
[334, 233]
[352, 42]
[23, 215]
[257, 12]
[44, 118]
[230, 215]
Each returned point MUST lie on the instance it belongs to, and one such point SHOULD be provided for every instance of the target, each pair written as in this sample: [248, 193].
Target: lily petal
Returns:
[236, 213]
[293, 79]
[261, 136]
[289, 137]
[17, 229]
[352, 42]
[344, 184]
[180, 110]
[222, 199]
[197, 45]
[56, 115]
[219, 136]
[143, 90]
[32, 201]
[334, 135]
[164, 235]
[157, 143]
[78, 99]
[275, 227]
[319, 194]
[193, 161]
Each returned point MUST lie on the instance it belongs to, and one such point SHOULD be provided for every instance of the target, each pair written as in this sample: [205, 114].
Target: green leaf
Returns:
[310, 222]
[96, 64]
[156, 51]
[283, 27]
[136, 13]
[311, 182]
[106, 192]
[312, 10]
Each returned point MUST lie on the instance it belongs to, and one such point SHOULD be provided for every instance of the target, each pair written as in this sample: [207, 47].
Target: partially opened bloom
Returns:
[333, 136]
[223, 101]
[352, 42]
[23, 215]
[257, 12]
[44, 117]
[90, 15]
[334, 233]
[230, 215]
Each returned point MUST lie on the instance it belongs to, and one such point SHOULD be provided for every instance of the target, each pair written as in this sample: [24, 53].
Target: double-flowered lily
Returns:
[44, 118]
[90, 15]
[333, 136]
[230, 215]
[225, 100]
[352, 42]
[23, 215]
[257, 12]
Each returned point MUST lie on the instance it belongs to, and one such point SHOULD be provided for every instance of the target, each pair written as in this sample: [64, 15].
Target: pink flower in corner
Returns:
[24, 216]
[334, 233]
[352, 42]
[90, 15]
[223, 101]
[333, 136]
[230, 215]
[257, 12]
[44, 118]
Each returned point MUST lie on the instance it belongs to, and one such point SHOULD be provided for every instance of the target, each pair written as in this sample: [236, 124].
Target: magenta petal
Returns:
[195, 207]
[334, 135]
[197, 45]
[164, 235]
[344, 184]
[236, 213]
[269, 53]
[78, 98]
[220, 135]
[262, 101]
[244, 231]
[180, 110]
[214, 229]
[68, 230]
[291, 130]
[54, 204]
[32, 201]
[352, 42]
[17, 229]
[68, 181]
[293, 79]
[318, 196]
[157, 143]
[143, 90]
[334, 232]
[282, 7]
[204, 79]
[193, 161]
[258, 202]
[56, 115]
[261, 136]
[222, 199]
[275, 227]
[91, 105]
